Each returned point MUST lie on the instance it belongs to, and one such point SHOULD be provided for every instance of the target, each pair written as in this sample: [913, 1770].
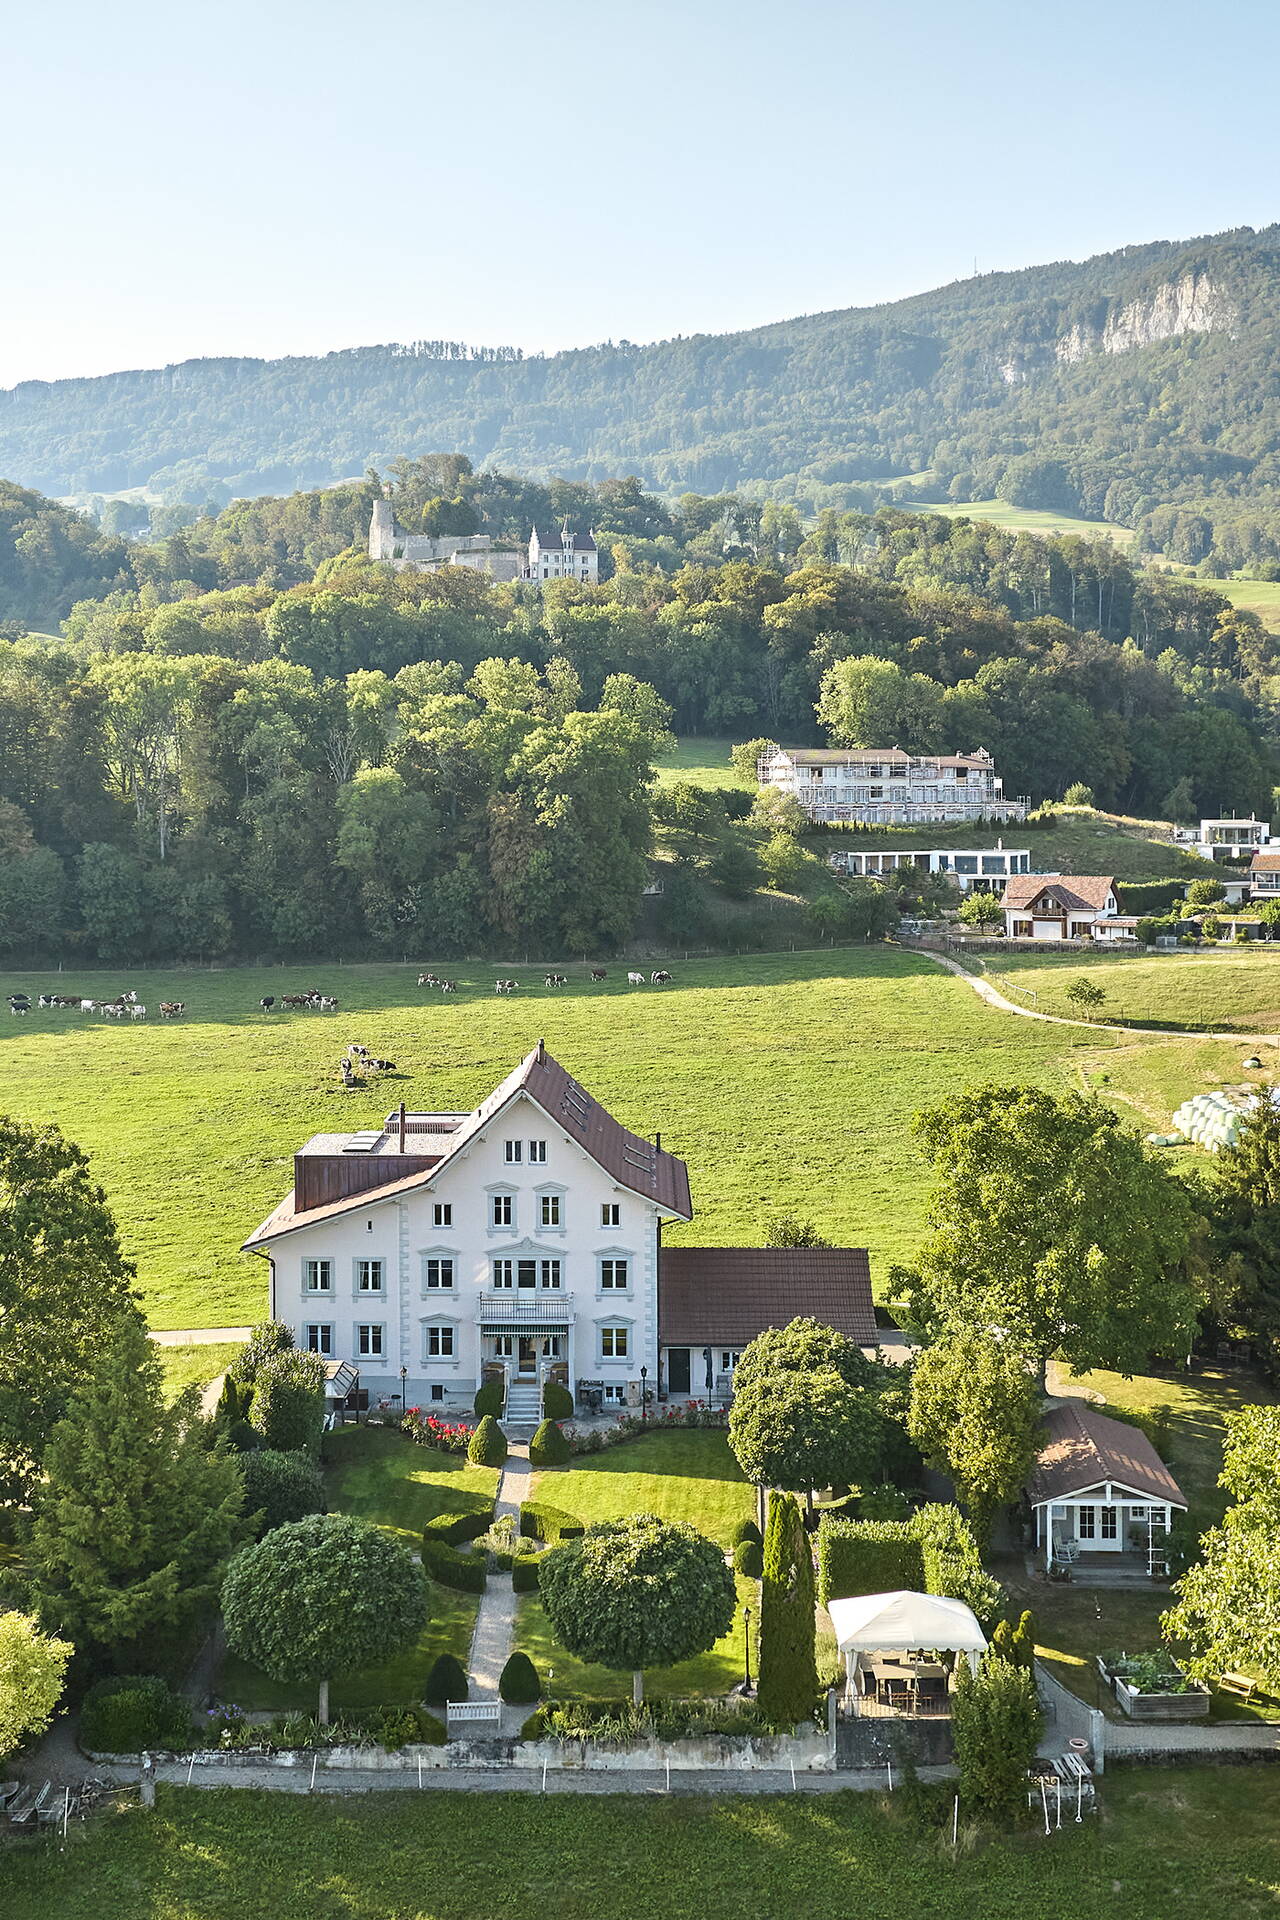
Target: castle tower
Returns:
[382, 531]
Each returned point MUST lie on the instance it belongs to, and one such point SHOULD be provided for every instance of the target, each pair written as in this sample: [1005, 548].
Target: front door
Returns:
[528, 1356]
[677, 1369]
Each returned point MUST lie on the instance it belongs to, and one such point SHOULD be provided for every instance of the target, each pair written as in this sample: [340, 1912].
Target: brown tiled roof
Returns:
[1265, 863]
[1082, 1447]
[1081, 892]
[709, 1294]
[635, 1163]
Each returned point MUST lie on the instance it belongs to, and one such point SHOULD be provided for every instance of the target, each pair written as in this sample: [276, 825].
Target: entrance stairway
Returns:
[524, 1404]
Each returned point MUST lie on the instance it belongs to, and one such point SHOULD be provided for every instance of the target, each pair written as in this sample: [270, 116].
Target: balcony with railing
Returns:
[514, 1308]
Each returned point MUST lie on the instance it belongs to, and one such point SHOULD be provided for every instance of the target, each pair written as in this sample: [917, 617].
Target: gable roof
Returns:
[1265, 863]
[709, 1294]
[1081, 1447]
[1079, 892]
[634, 1163]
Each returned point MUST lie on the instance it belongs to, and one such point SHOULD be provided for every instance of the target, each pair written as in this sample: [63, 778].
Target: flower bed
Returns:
[1152, 1686]
[428, 1430]
[630, 1426]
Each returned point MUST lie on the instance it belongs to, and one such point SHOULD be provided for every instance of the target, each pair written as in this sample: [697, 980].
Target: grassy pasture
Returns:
[787, 1081]
[1237, 987]
[682, 1475]
[701, 763]
[1169, 1843]
[998, 513]
[1252, 596]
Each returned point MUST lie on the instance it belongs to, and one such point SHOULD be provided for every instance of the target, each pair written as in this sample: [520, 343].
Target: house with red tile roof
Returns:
[1064, 906]
[1099, 1488]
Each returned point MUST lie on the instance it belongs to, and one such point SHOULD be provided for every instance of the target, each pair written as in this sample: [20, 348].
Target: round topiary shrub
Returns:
[282, 1486]
[128, 1713]
[748, 1558]
[519, 1684]
[557, 1401]
[287, 1412]
[488, 1447]
[446, 1681]
[489, 1399]
[746, 1530]
[549, 1446]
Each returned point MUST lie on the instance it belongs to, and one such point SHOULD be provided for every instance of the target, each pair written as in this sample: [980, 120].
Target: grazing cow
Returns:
[19, 1003]
[447, 986]
[357, 1052]
[267, 1002]
[293, 1000]
[137, 1011]
[557, 980]
[48, 1000]
[660, 979]
[88, 1006]
[172, 1009]
[348, 1078]
[328, 1004]
[427, 980]
[505, 986]
[635, 979]
[379, 1066]
[599, 973]
[114, 1012]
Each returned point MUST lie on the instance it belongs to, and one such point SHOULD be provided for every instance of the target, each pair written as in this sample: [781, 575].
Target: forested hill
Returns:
[1141, 386]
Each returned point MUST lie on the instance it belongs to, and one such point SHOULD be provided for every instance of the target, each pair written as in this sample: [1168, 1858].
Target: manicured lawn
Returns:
[710, 1673]
[195, 1366]
[1235, 988]
[1170, 1844]
[701, 762]
[375, 1474]
[690, 1476]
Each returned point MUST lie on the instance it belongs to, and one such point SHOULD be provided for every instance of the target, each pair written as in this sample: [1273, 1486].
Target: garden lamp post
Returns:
[746, 1648]
[644, 1397]
[404, 1375]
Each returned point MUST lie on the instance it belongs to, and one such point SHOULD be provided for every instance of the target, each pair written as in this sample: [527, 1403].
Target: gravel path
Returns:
[200, 1336]
[491, 1642]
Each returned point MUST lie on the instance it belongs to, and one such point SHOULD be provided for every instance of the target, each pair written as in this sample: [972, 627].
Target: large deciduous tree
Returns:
[64, 1284]
[1051, 1223]
[32, 1666]
[323, 1597]
[788, 1667]
[1246, 1223]
[806, 1430]
[1228, 1605]
[136, 1512]
[973, 1412]
[637, 1593]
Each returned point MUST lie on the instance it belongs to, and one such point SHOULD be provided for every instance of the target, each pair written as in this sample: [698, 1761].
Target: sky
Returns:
[270, 177]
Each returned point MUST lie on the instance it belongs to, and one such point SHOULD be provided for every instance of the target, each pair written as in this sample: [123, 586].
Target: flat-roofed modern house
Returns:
[1098, 1487]
[982, 867]
[883, 786]
[521, 1242]
[1056, 906]
[1227, 838]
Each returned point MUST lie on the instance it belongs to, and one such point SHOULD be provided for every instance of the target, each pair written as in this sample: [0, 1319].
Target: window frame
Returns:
[442, 1331]
[607, 1334]
[369, 1293]
[613, 1258]
[312, 1331]
[439, 1260]
[308, 1289]
[610, 1213]
[442, 1213]
[364, 1349]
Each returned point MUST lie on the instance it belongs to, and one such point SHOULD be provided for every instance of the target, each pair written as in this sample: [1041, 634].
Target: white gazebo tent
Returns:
[893, 1622]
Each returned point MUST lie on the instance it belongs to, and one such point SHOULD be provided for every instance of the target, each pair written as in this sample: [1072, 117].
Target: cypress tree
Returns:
[788, 1667]
[136, 1514]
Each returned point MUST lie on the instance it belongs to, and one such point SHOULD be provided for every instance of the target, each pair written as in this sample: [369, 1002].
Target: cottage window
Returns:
[549, 1210]
[317, 1276]
[514, 1149]
[442, 1214]
[613, 1276]
[1110, 1528]
[437, 1343]
[319, 1339]
[729, 1359]
[369, 1342]
[611, 1214]
[1086, 1522]
[503, 1210]
[369, 1276]
[439, 1273]
[537, 1153]
[614, 1342]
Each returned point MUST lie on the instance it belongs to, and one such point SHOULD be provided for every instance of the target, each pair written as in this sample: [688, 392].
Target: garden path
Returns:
[494, 1635]
[985, 991]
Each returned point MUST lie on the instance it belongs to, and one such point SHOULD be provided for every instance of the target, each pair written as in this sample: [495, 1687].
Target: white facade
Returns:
[563, 556]
[516, 1249]
[887, 787]
[560, 556]
[1055, 906]
[1225, 839]
[969, 868]
[1106, 1518]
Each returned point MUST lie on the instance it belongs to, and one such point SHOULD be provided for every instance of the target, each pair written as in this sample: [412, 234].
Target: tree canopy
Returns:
[974, 1409]
[1228, 1606]
[32, 1667]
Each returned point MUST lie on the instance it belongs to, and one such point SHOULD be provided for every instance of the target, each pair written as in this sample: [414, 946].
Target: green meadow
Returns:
[787, 1081]
[1235, 988]
[998, 513]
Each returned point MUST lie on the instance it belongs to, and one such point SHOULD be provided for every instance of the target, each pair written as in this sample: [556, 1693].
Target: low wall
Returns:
[806, 1752]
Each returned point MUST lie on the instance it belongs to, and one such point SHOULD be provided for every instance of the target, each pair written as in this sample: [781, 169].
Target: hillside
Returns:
[1140, 387]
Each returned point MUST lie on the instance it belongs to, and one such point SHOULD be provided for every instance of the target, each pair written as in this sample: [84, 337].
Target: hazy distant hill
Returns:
[1141, 386]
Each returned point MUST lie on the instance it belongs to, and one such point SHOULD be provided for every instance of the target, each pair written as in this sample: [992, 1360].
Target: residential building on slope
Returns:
[1074, 906]
[563, 555]
[1225, 839]
[883, 786]
[523, 1242]
[985, 867]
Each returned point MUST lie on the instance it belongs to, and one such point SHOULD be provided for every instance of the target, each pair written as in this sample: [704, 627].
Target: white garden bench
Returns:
[474, 1712]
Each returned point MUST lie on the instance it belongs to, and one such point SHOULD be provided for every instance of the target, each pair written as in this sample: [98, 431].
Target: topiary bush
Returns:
[748, 1558]
[280, 1486]
[464, 1572]
[489, 1399]
[549, 1446]
[541, 1522]
[459, 1524]
[746, 1530]
[288, 1402]
[488, 1446]
[524, 1574]
[127, 1713]
[557, 1401]
[518, 1683]
[445, 1682]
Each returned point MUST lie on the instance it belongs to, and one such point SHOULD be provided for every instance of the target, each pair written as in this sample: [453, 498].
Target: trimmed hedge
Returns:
[868, 1556]
[549, 1447]
[518, 1683]
[488, 1446]
[1149, 896]
[557, 1401]
[130, 1712]
[489, 1399]
[464, 1572]
[539, 1521]
[524, 1573]
[457, 1525]
[446, 1681]
[746, 1530]
[748, 1558]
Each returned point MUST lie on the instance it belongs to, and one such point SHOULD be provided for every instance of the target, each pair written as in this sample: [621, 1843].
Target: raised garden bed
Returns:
[1152, 1686]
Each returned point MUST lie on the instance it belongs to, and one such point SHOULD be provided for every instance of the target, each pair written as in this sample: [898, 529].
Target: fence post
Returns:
[1098, 1739]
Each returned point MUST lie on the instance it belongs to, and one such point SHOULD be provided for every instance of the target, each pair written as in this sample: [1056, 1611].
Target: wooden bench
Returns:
[470, 1712]
[27, 1807]
[1239, 1685]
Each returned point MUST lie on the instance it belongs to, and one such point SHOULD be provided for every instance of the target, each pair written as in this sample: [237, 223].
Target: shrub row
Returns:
[464, 1572]
[524, 1574]
[538, 1521]
[129, 1712]
[868, 1556]
[466, 1523]
[654, 1719]
[388, 1726]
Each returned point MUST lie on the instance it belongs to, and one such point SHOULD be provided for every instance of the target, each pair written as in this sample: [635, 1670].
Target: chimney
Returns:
[542, 1052]
[657, 1143]
[403, 1126]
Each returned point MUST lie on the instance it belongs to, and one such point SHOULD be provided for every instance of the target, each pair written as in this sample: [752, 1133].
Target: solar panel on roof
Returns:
[363, 1142]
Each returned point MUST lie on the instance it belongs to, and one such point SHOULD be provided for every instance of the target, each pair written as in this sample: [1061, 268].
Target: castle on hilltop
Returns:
[560, 556]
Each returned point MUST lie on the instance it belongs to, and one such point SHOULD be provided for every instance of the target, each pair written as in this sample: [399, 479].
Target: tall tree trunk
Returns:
[322, 1714]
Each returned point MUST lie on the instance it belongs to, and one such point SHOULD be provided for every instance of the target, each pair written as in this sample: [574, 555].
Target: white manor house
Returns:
[523, 1242]
[883, 786]
[558, 555]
